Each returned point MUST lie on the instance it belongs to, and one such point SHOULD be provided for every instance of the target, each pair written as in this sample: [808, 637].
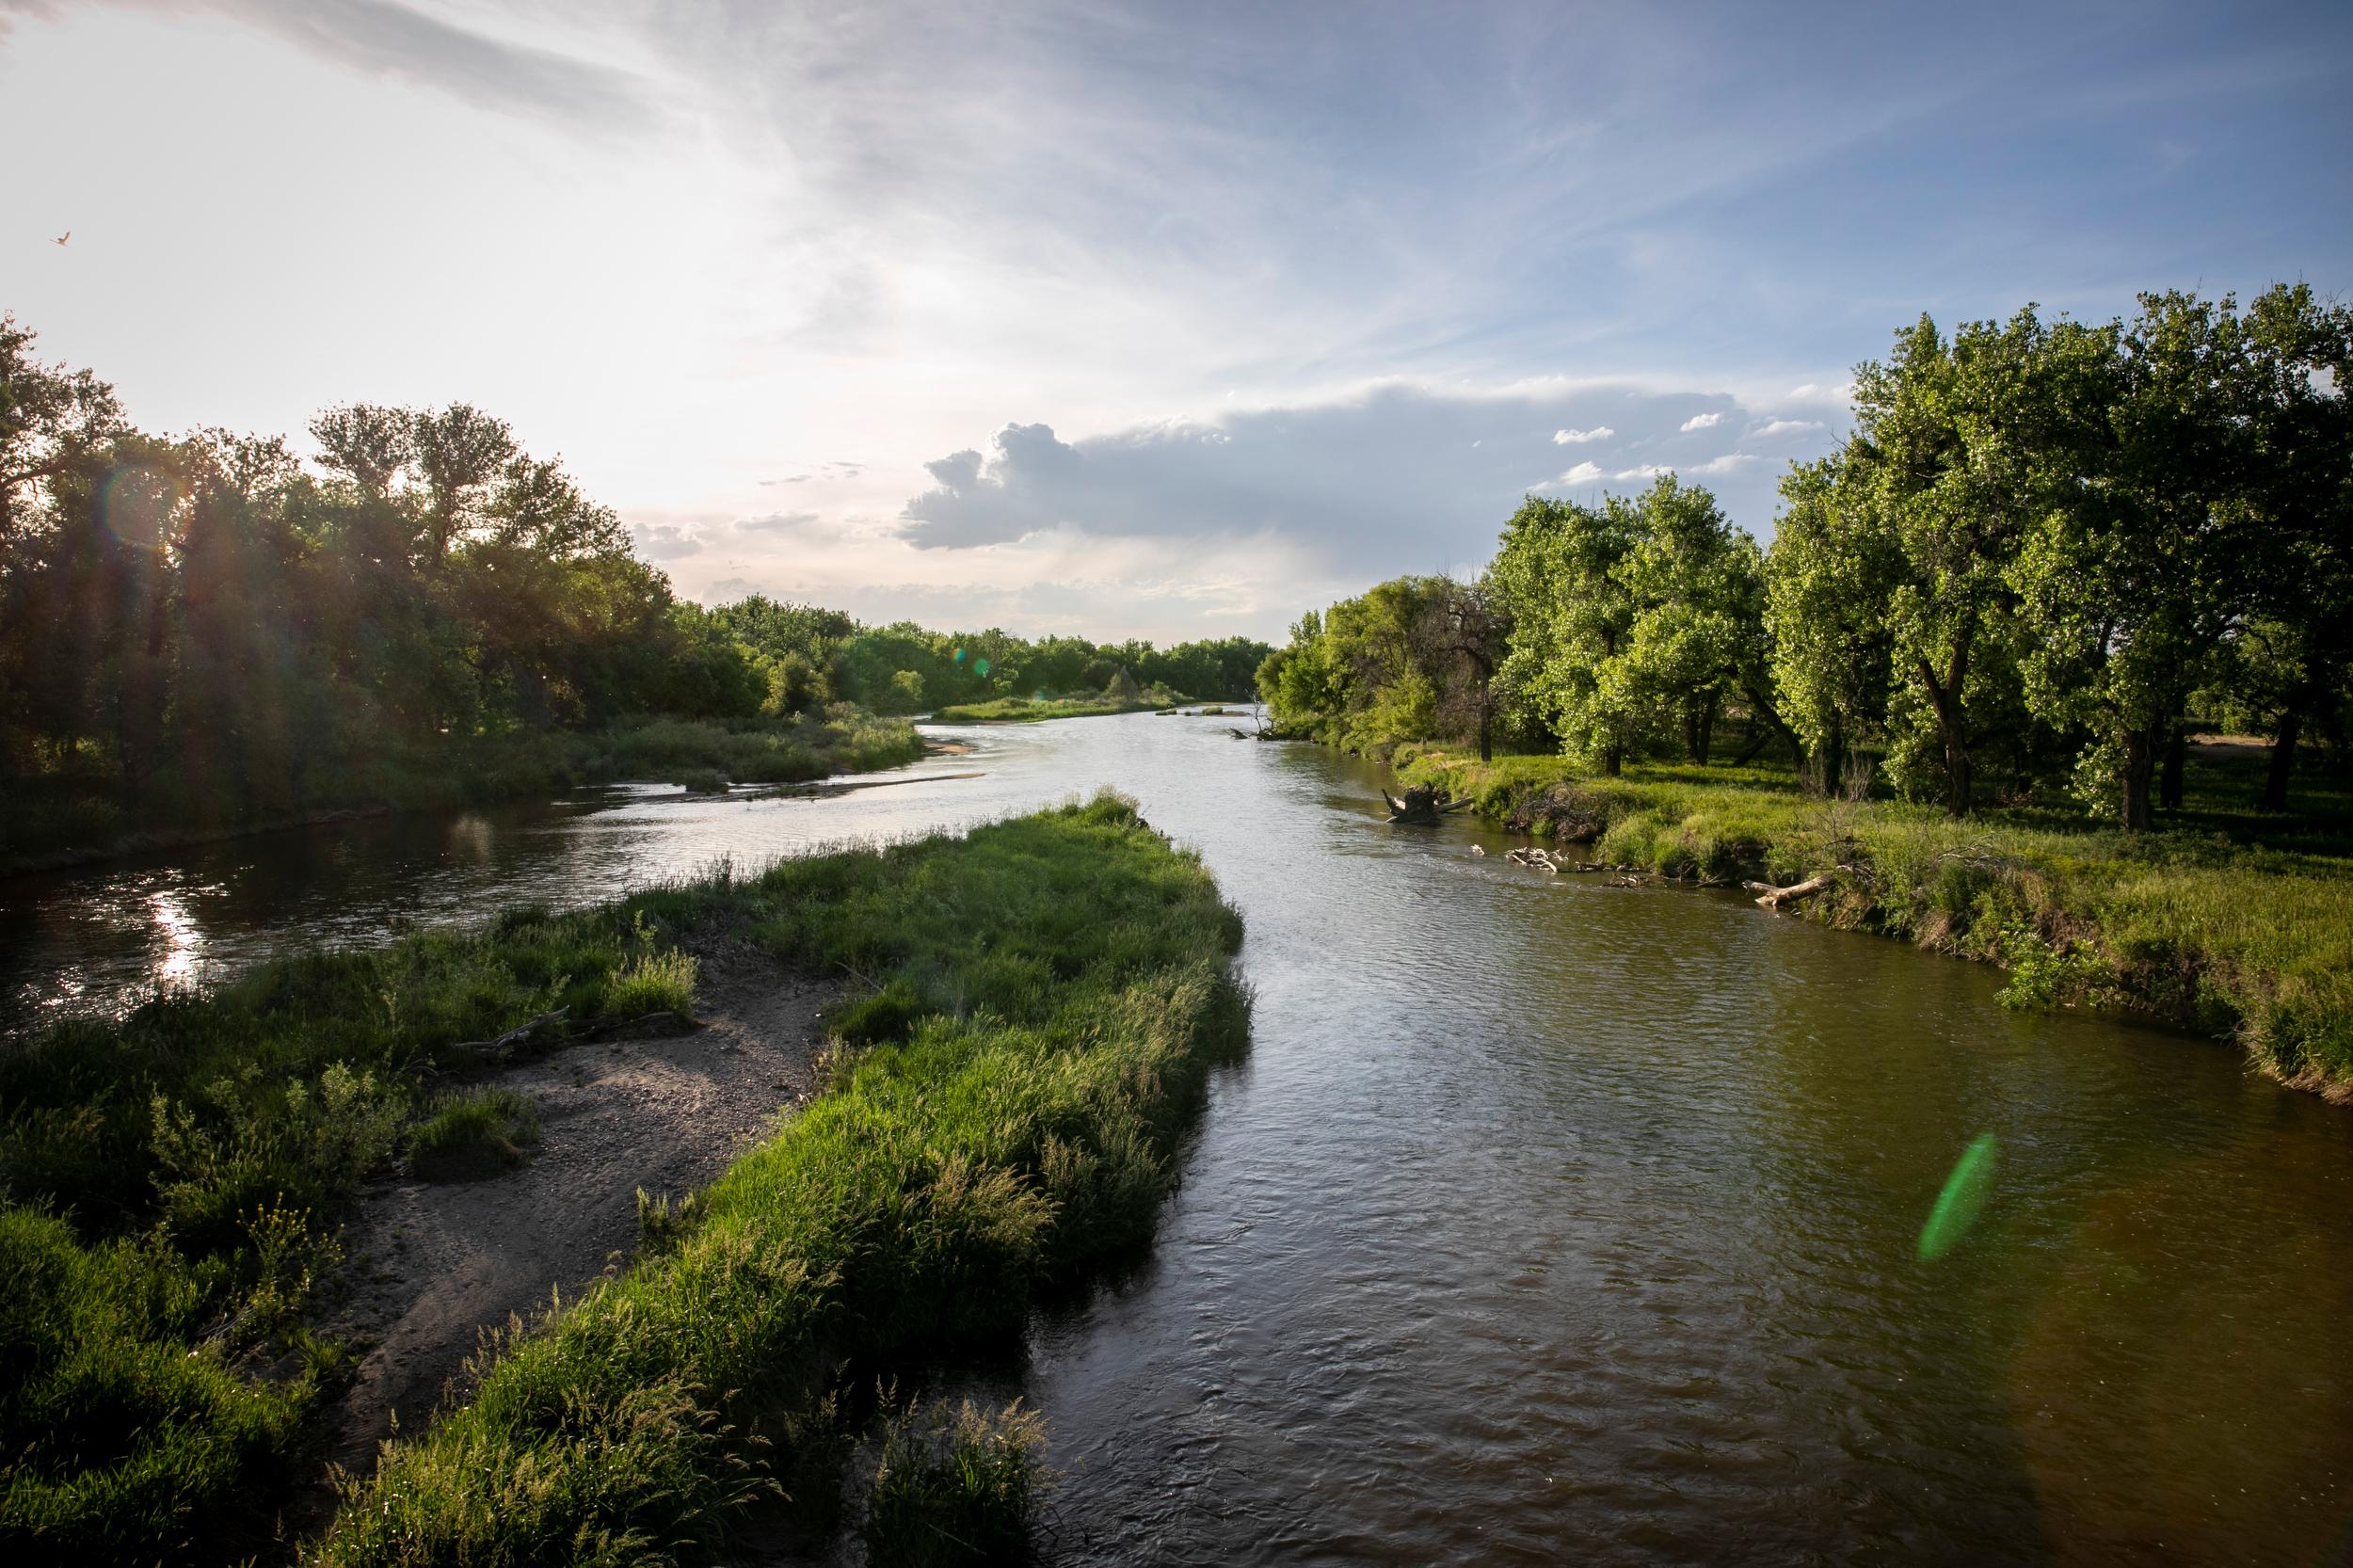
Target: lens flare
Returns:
[980, 666]
[1957, 1207]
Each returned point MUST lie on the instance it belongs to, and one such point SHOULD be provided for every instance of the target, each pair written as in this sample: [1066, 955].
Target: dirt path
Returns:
[432, 1265]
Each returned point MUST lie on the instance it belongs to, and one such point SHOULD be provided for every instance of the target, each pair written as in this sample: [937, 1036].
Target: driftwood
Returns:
[497, 1049]
[1418, 806]
[1774, 898]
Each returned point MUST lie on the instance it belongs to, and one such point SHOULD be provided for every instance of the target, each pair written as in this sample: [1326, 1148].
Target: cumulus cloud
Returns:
[1386, 481]
[1786, 426]
[1578, 437]
[666, 541]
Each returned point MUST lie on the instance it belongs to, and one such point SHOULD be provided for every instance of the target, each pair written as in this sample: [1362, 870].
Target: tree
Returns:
[2212, 494]
[1957, 448]
[1466, 625]
[1560, 571]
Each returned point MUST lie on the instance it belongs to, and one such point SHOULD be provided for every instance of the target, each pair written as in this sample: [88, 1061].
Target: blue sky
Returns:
[1171, 321]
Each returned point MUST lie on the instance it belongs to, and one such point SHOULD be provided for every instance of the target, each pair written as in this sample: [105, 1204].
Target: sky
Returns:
[1166, 321]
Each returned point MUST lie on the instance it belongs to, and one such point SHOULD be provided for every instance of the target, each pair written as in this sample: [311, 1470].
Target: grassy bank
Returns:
[61, 819]
[1039, 1006]
[2200, 927]
[1023, 709]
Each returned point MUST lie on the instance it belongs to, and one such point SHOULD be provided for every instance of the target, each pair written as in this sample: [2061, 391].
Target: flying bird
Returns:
[62, 238]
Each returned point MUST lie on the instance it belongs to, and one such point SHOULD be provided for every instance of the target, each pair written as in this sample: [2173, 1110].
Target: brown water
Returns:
[1549, 1222]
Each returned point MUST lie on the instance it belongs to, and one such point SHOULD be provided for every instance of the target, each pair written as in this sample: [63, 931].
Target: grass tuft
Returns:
[470, 1134]
[954, 1486]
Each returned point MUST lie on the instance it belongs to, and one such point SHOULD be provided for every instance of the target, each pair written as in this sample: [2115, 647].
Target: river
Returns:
[1547, 1221]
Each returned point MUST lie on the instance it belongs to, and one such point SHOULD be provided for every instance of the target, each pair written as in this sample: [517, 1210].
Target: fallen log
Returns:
[497, 1049]
[1774, 898]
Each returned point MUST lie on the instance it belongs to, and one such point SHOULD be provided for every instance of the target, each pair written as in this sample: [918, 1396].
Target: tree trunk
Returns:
[1945, 697]
[2176, 758]
[1707, 731]
[1486, 727]
[1613, 762]
[2283, 757]
[2140, 766]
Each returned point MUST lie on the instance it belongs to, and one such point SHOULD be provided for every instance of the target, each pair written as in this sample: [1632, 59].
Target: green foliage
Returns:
[954, 1486]
[467, 1134]
[1073, 965]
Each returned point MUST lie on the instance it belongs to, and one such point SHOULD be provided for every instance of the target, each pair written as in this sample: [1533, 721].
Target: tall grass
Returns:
[1043, 999]
[954, 1486]
[171, 1183]
[2199, 928]
[468, 1133]
[1006, 1132]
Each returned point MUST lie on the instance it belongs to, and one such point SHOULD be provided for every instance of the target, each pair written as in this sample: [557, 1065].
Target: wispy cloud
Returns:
[1578, 437]
[1702, 422]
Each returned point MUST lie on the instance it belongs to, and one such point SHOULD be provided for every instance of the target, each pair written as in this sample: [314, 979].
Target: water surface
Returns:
[1546, 1222]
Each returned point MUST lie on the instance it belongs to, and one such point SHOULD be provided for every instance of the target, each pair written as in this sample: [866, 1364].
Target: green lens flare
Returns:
[980, 666]
[959, 656]
[1957, 1207]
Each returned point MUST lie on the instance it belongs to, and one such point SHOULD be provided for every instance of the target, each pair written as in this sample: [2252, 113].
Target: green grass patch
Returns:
[1023, 709]
[1041, 1001]
[2202, 927]
[468, 1134]
[1006, 1137]
[171, 1183]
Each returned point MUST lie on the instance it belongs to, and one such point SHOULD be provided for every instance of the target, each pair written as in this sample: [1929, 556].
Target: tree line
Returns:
[212, 628]
[2044, 550]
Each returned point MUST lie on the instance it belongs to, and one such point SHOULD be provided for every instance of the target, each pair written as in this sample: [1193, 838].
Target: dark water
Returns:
[1550, 1222]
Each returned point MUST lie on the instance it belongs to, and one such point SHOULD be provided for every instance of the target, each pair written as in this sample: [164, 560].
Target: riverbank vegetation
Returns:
[210, 631]
[1021, 710]
[1965, 681]
[1038, 1005]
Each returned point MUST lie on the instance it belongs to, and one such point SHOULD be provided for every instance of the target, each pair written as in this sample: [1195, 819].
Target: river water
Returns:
[1547, 1220]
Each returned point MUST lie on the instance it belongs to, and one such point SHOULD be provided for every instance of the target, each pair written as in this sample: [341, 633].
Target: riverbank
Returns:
[59, 824]
[1022, 709]
[2234, 940]
[996, 1124]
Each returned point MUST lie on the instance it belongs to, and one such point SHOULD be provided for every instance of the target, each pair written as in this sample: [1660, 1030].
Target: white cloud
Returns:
[663, 541]
[1786, 426]
[1730, 462]
[1381, 482]
[1578, 437]
[1703, 422]
[779, 522]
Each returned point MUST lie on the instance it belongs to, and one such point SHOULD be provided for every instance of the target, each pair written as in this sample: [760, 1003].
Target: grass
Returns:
[1060, 994]
[1022, 709]
[171, 1180]
[1040, 1005]
[954, 1486]
[2203, 924]
[74, 816]
[468, 1134]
